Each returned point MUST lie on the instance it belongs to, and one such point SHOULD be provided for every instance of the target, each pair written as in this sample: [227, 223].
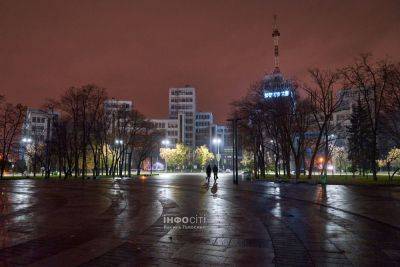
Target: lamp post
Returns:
[119, 143]
[165, 143]
[217, 141]
[235, 148]
[26, 141]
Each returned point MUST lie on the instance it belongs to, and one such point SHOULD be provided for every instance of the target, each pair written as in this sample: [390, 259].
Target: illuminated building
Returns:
[274, 85]
[37, 129]
[38, 125]
[185, 124]
[204, 122]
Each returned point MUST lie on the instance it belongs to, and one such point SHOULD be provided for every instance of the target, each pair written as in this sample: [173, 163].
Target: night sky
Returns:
[138, 49]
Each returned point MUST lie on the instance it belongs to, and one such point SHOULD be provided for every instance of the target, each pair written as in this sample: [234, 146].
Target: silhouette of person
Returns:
[208, 172]
[215, 171]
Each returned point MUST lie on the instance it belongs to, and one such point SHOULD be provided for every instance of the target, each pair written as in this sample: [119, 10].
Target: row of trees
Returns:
[300, 128]
[107, 141]
[86, 137]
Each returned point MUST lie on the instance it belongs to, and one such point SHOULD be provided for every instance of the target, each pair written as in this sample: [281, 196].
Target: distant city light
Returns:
[276, 94]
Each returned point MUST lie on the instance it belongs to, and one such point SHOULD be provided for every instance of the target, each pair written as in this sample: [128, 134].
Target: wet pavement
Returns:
[179, 220]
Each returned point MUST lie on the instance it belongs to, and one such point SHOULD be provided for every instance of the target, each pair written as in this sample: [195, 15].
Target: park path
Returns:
[122, 222]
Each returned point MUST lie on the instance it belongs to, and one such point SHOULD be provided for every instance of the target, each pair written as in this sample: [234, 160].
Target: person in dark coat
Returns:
[215, 171]
[208, 172]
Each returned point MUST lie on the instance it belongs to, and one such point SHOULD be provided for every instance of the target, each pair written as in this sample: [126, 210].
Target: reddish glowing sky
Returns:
[139, 48]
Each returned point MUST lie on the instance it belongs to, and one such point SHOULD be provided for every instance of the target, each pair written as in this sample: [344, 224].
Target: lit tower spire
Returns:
[275, 35]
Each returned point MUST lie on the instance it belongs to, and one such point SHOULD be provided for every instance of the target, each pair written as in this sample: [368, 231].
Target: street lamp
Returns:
[119, 143]
[165, 143]
[217, 141]
[26, 141]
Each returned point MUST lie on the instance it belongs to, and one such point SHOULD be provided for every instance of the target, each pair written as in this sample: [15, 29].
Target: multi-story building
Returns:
[114, 105]
[172, 131]
[37, 130]
[192, 128]
[38, 125]
[115, 112]
[204, 122]
[182, 107]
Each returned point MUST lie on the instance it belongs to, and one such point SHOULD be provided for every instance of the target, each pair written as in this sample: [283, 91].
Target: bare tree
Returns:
[11, 120]
[251, 127]
[83, 107]
[372, 80]
[147, 142]
[136, 123]
[63, 146]
[324, 102]
[299, 125]
[265, 126]
[391, 108]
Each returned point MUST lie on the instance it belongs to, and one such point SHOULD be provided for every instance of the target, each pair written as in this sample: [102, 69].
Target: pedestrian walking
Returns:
[215, 171]
[208, 173]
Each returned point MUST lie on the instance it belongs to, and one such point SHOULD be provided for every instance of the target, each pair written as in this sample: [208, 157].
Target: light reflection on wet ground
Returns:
[122, 222]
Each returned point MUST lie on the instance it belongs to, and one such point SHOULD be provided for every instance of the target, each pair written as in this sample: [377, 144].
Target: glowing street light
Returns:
[26, 140]
[119, 143]
[165, 142]
[216, 141]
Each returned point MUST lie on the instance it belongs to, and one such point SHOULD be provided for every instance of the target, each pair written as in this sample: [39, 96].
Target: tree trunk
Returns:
[2, 169]
[297, 167]
[374, 157]
[314, 154]
[276, 166]
[138, 168]
[262, 162]
[255, 170]
[130, 164]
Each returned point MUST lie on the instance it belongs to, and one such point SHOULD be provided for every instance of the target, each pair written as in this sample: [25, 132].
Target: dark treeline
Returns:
[86, 138]
[301, 129]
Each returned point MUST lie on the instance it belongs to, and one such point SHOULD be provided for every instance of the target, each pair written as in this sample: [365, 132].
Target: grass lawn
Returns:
[54, 177]
[342, 179]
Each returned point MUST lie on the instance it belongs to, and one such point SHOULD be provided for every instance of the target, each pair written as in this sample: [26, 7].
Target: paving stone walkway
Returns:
[177, 219]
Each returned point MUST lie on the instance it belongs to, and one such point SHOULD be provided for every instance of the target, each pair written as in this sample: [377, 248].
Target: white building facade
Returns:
[188, 126]
[182, 107]
[204, 122]
[38, 125]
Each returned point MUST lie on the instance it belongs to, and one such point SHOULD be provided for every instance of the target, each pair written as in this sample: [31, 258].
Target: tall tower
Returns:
[275, 36]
